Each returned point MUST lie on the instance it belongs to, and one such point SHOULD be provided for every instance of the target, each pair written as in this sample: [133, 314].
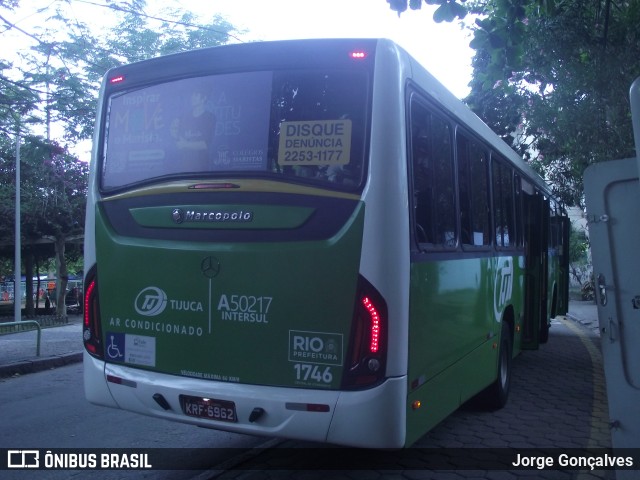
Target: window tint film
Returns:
[474, 192]
[435, 216]
[503, 204]
[302, 126]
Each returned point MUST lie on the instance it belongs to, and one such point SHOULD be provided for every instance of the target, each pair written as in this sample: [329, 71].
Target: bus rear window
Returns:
[301, 126]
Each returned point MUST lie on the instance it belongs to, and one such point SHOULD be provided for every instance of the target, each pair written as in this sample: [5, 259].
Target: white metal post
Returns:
[17, 288]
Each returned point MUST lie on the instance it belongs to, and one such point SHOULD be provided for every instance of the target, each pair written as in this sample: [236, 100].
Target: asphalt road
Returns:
[47, 410]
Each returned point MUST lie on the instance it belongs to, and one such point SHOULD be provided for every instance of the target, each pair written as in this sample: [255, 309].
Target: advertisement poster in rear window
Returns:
[195, 125]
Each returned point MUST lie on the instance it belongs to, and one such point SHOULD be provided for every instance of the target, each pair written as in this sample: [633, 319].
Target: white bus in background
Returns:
[612, 193]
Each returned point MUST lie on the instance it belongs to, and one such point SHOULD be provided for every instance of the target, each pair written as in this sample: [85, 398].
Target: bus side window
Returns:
[503, 205]
[474, 192]
[519, 218]
[434, 215]
[422, 186]
[443, 178]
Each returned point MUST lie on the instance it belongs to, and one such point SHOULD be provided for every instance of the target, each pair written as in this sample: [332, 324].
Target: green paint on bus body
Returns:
[256, 312]
[456, 310]
[222, 216]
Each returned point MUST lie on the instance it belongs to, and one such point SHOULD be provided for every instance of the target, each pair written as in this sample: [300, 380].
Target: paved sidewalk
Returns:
[585, 313]
[61, 345]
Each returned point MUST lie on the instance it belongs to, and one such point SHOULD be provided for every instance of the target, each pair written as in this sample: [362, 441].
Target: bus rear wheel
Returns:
[495, 396]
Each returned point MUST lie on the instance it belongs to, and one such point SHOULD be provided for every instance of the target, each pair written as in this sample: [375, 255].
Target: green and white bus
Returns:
[309, 239]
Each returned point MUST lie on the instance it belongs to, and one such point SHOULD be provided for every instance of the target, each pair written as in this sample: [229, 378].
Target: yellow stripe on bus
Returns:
[235, 185]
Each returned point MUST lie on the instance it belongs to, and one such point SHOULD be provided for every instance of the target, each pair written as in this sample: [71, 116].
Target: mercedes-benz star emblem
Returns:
[210, 267]
[177, 215]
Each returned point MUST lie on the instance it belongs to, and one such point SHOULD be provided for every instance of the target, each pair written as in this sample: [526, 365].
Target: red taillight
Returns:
[92, 334]
[374, 335]
[308, 407]
[213, 186]
[367, 353]
[358, 54]
[87, 303]
[117, 79]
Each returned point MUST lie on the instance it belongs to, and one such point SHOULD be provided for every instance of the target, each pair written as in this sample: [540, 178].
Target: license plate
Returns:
[210, 408]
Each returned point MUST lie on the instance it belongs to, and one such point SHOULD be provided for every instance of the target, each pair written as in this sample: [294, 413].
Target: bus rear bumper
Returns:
[367, 418]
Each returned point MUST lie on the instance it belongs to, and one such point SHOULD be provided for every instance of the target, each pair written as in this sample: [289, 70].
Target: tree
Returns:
[552, 78]
[57, 84]
[53, 195]
[567, 95]
[65, 65]
[447, 11]
[134, 39]
[579, 255]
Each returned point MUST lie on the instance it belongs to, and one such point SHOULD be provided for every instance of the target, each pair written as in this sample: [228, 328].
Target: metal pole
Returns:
[17, 288]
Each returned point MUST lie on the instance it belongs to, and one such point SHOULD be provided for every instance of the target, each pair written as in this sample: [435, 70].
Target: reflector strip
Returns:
[121, 381]
[307, 407]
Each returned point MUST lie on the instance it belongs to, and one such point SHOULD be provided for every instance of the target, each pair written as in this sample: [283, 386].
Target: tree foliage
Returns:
[60, 73]
[552, 78]
[447, 11]
[579, 261]
[566, 96]
[48, 93]
[53, 191]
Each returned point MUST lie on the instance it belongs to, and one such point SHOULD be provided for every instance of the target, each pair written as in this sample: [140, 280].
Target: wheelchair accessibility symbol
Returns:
[115, 346]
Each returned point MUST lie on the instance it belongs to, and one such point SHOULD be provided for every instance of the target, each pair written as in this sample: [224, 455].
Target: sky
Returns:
[442, 48]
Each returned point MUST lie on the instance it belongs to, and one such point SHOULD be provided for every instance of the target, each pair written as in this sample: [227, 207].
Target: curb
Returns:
[39, 364]
[572, 317]
[588, 324]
